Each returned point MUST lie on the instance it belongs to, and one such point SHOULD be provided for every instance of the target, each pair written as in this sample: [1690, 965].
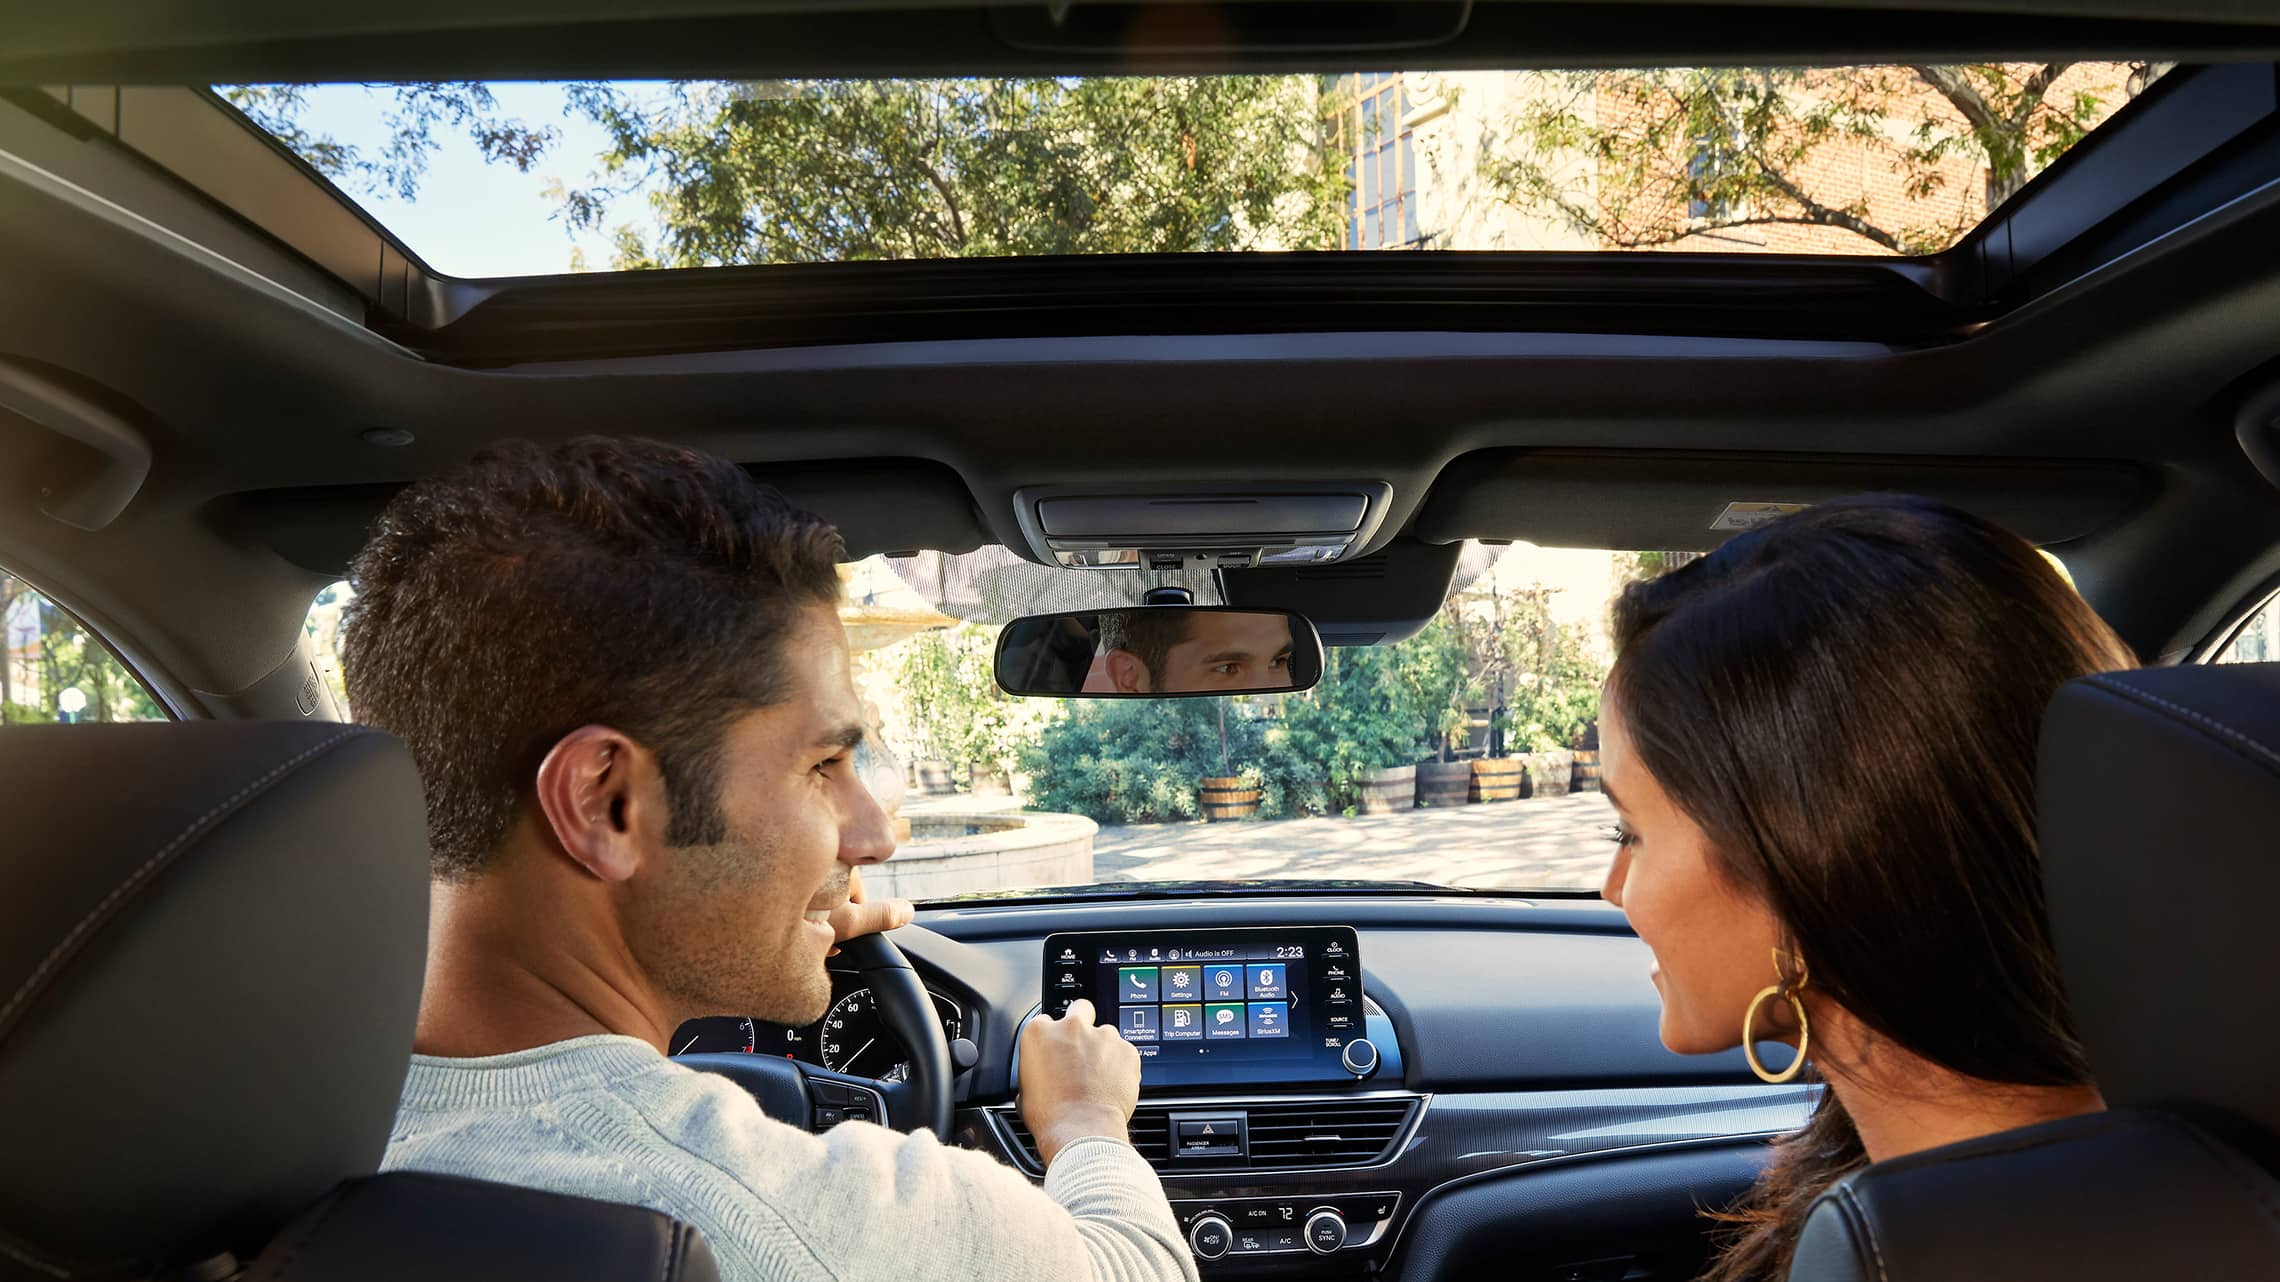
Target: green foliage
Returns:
[1555, 676]
[61, 656]
[832, 171]
[415, 113]
[958, 714]
[1141, 760]
[1435, 678]
[1674, 152]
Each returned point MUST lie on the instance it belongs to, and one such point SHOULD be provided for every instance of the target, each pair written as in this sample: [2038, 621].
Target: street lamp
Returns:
[71, 702]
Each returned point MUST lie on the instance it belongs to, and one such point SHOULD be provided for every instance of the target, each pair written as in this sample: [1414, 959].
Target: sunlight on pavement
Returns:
[1546, 843]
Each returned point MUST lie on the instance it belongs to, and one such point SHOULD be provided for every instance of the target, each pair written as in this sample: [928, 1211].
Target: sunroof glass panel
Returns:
[532, 178]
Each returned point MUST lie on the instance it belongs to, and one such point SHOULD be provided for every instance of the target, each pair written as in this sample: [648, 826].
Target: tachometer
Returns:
[852, 1040]
[715, 1033]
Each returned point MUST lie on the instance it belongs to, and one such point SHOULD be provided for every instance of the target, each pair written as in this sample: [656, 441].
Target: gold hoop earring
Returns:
[1788, 991]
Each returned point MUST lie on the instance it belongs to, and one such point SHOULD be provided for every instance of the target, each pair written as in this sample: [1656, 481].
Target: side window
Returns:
[2258, 640]
[323, 627]
[57, 671]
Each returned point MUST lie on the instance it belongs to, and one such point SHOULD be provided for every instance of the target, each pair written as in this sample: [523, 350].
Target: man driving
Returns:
[620, 668]
[1170, 650]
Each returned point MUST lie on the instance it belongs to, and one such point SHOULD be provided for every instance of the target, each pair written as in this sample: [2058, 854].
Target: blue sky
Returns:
[473, 218]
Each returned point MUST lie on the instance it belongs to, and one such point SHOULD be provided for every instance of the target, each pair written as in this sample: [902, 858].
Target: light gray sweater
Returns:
[611, 1118]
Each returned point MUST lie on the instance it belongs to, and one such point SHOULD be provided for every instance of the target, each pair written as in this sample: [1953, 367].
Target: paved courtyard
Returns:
[1547, 842]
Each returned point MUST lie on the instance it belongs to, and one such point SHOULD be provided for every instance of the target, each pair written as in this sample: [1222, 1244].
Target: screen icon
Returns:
[1223, 983]
[1182, 983]
[1269, 982]
[1270, 1019]
[1136, 984]
[1183, 1023]
[1224, 1022]
[1137, 1023]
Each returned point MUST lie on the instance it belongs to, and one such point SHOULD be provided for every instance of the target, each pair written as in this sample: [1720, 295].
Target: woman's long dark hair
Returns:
[1847, 702]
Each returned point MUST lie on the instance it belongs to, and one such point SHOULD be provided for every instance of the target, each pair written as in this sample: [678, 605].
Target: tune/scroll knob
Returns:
[1325, 1231]
[1360, 1057]
[1210, 1236]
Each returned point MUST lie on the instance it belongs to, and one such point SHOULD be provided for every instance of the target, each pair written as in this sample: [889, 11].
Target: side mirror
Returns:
[1159, 651]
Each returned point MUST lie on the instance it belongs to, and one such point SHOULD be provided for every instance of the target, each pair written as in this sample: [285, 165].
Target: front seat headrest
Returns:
[211, 943]
[2160, 822]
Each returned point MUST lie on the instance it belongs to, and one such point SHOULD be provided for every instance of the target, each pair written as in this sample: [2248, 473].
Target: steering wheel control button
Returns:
[826, 1118]
[1360, 1057]
[1210, 1237]
[1325, 1232]
[1202, 1136]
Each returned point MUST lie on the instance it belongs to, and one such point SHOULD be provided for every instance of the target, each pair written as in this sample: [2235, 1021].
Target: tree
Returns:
[414, 114]
[828, 171]
[1672, 153]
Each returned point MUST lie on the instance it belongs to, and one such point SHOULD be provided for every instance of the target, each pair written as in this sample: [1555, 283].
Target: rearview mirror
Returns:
[1159, 651]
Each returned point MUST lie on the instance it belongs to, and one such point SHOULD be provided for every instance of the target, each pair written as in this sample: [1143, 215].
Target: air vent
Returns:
[1149, 1130]
[1301, 1133]
[1346, 1133]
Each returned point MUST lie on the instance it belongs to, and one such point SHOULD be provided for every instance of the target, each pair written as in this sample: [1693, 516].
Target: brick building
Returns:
[1424, 151]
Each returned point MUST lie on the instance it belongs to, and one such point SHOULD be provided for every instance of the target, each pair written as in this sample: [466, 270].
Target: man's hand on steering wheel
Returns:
[861, 916]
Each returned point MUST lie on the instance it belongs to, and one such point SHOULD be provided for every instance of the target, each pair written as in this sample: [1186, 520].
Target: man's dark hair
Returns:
[625, 583]
[1146, 634]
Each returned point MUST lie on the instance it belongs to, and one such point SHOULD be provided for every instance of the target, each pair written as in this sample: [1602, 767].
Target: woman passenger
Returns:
[1820, 743]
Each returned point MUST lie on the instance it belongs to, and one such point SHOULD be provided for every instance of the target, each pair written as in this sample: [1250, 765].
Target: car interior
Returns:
[216, 368]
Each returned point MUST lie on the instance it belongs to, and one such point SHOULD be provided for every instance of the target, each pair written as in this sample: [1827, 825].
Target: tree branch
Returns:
[1967, 100]
[949, 199]
[1819, 214]
[2031, 93]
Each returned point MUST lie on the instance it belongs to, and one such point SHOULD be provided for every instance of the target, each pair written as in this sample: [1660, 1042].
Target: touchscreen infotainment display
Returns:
[1270, 1004]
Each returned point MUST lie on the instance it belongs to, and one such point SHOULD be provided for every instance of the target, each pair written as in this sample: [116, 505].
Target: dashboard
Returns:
[848, 1039]
[1347, 1084]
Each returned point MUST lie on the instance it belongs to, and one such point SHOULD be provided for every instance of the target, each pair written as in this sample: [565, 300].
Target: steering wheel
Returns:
[814, 1098]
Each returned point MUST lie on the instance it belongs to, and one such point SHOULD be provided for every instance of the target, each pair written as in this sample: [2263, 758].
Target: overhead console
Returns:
[1200, 527]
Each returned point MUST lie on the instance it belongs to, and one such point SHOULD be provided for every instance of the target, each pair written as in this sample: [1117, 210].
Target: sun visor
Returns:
[1681, 502]
[894, 505]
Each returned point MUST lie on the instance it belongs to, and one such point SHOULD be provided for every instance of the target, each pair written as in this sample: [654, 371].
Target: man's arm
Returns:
[862, 1203]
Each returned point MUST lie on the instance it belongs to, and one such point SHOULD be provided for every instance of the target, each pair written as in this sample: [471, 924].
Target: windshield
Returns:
[1464, 756]
[533, 178]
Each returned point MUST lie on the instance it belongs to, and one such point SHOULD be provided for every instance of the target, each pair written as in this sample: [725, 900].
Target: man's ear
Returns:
[604, 799]
[1127, 673]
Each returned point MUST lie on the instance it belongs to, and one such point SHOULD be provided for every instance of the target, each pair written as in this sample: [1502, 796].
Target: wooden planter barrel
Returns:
[1444, 783]
[1497, 779]
[1586, 770]
[1385, 791]
[1227, 797]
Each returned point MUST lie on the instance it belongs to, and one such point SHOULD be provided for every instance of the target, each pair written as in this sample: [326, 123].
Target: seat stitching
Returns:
[149, 866]
[32, 1261]
[1867, 1231]
[2268, 753]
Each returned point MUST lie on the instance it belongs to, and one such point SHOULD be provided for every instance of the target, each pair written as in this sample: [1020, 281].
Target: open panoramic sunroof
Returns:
[510, 179]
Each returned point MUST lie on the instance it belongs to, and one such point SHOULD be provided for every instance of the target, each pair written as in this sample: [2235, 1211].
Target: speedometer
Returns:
[853, 1040]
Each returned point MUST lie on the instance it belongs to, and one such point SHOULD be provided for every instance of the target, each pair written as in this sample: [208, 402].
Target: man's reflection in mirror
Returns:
[1189, 652]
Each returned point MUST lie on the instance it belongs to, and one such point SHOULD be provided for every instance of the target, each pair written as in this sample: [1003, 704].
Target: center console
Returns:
[1258, 1049]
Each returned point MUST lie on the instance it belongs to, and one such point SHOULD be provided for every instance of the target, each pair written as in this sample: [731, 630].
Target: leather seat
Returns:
[211, 944]
[2160, 823]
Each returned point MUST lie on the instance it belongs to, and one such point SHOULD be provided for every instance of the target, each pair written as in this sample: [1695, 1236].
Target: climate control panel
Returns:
[1241, 1228]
